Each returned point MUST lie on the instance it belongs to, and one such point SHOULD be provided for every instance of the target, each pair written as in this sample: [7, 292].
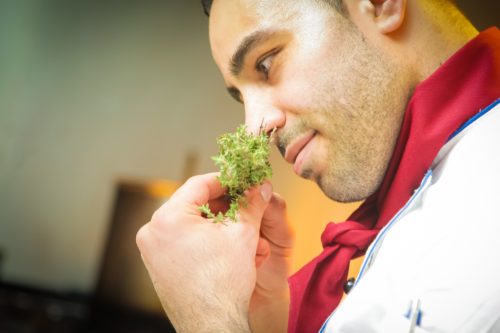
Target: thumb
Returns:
[263, 251]
[257, 199]
[275, 224]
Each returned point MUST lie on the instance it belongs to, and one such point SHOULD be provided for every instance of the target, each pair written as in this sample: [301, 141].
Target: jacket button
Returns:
[348, 285]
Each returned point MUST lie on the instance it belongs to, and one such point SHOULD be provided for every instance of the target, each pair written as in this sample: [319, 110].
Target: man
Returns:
[374, 100]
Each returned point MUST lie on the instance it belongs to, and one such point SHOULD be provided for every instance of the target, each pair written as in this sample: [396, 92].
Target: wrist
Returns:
[209, 319]
[269, 311]
[270, 316]
[213, 326]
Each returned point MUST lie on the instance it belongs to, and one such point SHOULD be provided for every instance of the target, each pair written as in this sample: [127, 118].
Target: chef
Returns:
[393, 102]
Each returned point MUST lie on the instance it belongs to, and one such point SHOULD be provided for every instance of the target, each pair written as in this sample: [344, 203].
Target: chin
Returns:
[345, 192]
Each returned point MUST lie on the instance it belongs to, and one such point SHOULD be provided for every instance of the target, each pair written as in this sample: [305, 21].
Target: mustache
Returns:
[281, 147]
[283, 137]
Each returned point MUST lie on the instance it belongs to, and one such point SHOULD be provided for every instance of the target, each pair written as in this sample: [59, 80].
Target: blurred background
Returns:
[105, 108]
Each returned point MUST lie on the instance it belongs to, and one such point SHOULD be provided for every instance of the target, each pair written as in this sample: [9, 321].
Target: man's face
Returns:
[299, 66]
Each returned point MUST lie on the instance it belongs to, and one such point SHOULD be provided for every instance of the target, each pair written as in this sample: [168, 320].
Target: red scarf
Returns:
[462, 86]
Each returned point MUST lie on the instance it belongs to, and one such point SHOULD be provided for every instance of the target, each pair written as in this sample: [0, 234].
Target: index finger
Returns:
[198, 190]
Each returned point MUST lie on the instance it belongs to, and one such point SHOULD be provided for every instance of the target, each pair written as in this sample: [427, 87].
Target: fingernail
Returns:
[266, 190]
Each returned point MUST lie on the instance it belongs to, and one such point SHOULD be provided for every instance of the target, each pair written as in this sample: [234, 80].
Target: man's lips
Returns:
[294, 148]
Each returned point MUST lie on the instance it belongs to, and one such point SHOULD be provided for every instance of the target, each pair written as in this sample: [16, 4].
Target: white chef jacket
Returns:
[436, 266]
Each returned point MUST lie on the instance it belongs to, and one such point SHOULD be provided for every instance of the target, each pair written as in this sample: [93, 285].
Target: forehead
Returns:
[230, 21]
[233, 20]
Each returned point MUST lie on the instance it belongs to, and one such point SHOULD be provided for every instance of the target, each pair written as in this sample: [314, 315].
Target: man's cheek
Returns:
[295, 96]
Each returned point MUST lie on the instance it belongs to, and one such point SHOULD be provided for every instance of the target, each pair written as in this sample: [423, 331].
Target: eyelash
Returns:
[260, 67]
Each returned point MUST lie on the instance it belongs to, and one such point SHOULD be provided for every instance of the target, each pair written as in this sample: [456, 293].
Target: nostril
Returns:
[271, 134]
[268, 130]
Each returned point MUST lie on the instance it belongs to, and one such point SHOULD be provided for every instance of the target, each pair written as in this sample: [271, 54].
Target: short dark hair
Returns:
[337, 4]
[207, 4]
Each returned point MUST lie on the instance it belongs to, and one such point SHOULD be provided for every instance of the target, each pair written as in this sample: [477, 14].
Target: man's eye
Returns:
[264, 65]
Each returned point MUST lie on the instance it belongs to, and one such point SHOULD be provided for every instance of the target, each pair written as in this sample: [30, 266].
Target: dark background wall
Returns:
[483, 13]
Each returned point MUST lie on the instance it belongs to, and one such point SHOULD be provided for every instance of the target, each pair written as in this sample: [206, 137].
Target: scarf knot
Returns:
[348, 234]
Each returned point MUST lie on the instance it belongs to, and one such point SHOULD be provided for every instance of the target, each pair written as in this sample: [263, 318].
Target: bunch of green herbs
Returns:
[243, 161]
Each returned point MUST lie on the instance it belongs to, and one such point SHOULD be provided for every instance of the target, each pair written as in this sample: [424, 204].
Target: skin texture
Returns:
[342, 84]
[324, 78]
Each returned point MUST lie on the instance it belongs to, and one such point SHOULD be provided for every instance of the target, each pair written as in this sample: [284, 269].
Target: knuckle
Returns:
[162, 213]
[193, 180]
[157, 215]
[164, 220]
[142, 236]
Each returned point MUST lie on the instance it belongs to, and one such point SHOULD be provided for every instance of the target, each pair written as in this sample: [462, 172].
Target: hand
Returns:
[270, 299]
[203, 273]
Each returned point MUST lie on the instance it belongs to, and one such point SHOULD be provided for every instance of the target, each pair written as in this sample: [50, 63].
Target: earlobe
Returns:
[387, 15]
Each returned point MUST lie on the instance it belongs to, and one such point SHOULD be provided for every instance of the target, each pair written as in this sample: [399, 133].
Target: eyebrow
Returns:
[247, 45]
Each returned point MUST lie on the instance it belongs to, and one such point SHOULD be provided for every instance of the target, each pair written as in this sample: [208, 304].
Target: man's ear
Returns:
[388, 15]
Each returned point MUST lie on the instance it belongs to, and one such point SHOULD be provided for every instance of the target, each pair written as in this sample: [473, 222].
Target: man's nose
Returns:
[261, 116]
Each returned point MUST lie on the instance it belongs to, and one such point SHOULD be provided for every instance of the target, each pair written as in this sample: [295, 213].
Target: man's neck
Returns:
[438, 35]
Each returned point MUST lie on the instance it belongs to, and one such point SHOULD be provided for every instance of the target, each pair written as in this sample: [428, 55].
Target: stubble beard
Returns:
[364, 130]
